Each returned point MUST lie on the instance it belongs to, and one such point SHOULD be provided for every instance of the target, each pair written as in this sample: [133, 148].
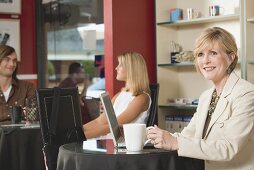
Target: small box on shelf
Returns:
[182, 101]
[176, 123]
[173, 57]
[186, 120]
[176, 14]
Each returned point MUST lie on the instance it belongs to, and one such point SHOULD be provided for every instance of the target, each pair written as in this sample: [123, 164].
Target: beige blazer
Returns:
[229, 141]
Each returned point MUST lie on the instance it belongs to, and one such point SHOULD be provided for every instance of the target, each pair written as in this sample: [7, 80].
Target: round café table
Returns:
[20, 147]
[101, 155]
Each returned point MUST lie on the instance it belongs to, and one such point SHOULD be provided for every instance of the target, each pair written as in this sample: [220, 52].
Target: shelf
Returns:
[176, 64]
[201, 20]
[250, 20]
[179, 106]
[237, 19]
[187, 64]
[251, 62]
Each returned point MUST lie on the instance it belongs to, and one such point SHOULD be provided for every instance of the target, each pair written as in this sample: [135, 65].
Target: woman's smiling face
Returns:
[8, 65]
[213, 63]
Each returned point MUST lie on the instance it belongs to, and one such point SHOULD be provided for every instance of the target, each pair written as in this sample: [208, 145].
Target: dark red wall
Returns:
[28, 46]
[27, 37]
[129, 26]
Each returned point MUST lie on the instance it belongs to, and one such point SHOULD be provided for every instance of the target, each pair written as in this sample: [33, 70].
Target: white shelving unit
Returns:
[250, 20]
[251, 61]
[181, 80]
[249, 39]
[179, 106]
[202, 20]
[176, 64]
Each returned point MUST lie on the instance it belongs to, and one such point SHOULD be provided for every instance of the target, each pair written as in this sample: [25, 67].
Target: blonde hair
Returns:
[137, 78]
[225, 40]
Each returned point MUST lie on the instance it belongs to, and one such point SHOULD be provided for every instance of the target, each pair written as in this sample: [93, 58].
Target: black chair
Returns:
[92, 105]
[152, 118]
[60, 120]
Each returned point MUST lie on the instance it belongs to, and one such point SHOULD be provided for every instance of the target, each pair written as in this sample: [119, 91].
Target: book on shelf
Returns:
[176, 123]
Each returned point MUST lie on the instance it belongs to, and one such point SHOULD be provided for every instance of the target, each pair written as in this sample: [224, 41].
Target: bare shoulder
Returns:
[115, 96]
[144, 98]
[141, 101]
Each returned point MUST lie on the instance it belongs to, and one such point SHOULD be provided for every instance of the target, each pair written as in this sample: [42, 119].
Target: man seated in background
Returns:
[12, 91]
[77, 76]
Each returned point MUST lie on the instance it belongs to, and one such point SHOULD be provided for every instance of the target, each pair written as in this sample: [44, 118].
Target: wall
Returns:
[129, 26]
[27, 67]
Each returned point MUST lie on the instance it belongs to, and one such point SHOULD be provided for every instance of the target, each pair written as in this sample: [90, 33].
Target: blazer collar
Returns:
[230, 84]
[222, 103]
[204, 103]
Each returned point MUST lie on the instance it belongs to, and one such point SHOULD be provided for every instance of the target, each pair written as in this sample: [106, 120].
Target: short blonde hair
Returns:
[225, 40]
[137, 78]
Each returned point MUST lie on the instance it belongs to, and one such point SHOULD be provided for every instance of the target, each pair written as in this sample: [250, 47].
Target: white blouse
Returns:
[7, 93]
[121, 103]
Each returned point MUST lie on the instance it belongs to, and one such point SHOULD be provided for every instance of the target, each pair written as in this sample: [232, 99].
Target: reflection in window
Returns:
[73, 36]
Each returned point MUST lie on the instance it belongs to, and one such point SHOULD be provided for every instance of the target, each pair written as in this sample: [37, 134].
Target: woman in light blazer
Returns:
[222, 130]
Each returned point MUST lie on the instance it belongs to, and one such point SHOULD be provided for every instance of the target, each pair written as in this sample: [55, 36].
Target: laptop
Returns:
[117, 136]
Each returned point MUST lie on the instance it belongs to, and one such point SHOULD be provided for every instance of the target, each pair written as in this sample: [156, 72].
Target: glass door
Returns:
[74, 33]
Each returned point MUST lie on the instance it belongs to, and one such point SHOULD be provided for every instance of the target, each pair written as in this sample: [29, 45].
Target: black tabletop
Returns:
[20, 148]
[101, 155]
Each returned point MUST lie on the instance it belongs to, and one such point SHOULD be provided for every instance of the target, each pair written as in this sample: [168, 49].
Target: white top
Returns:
[7, 93]
[121, 103]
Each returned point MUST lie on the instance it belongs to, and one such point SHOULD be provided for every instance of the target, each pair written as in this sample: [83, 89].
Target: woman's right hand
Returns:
[101, 107]
[162, 138]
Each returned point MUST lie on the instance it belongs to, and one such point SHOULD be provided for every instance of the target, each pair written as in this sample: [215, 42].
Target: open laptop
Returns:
[118, 138]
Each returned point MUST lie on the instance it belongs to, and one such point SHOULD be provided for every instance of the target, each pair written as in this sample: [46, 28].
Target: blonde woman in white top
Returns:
[133, 102]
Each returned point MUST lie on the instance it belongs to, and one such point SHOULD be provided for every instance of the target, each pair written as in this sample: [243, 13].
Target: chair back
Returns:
[152, 117]
[60, 120]
[93, 106]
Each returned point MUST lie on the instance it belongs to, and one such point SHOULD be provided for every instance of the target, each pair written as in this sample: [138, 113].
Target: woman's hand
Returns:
[101, 108]
[162, 138]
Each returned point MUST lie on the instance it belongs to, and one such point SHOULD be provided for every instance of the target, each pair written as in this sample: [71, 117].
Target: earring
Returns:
[229, 69]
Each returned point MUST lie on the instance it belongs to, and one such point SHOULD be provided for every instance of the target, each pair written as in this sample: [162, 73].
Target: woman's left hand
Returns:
[162, 138]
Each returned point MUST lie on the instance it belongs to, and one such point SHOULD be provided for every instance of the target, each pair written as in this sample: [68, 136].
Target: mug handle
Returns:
[195, 14]
[148, 140]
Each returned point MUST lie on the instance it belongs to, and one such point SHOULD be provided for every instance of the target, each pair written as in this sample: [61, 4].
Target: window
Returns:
[74, 33]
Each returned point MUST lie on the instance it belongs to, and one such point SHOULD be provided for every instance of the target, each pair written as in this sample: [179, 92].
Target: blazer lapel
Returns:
[223, 102]
[204, 105]
[221, 105]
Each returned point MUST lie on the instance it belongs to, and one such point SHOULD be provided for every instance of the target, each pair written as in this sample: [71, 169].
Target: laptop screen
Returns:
[111, 116]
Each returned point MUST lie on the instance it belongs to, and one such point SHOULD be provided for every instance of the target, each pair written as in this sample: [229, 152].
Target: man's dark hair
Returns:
[5, 51]
[74, 67]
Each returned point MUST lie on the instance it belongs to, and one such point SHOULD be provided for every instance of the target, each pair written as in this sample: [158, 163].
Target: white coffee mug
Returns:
[191, 13]
[135, 136]
[215, 10]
